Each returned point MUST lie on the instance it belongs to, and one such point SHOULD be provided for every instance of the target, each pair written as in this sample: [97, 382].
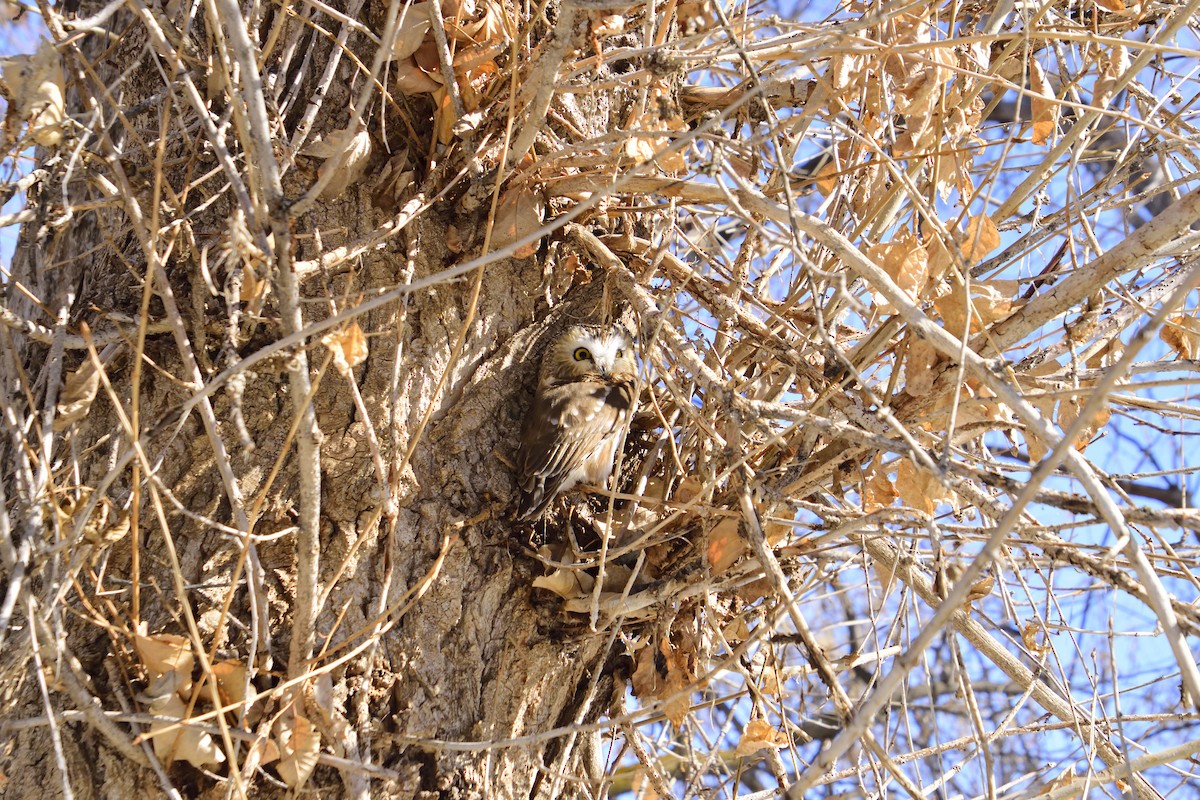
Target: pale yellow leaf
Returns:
[566, 583]
[411, 31]
[299, 747]
[182, 741]
[166, 653]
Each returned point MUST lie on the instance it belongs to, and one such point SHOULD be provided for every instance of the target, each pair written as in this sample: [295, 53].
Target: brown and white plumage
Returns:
[587, 390]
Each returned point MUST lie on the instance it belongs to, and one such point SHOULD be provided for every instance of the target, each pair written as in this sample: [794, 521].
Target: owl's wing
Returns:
[566, 424]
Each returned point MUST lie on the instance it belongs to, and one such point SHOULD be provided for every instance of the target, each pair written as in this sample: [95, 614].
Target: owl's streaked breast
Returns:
[587, 390]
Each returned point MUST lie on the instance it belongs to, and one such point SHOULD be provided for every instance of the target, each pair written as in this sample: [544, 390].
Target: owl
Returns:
[586, 393]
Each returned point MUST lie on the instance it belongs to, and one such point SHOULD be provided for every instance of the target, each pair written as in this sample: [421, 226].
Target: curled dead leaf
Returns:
[1070, 409]
[1182, 335]
[1033, 636]
[299, 747]
[173, 741]
[410, 79]
[906, 262]
[348, 346]
[919, 488]
[411, 29]
[231, 681]
[566, 583]
[878, 490]
[1044, 106]
[519, 214]
[346, 153]
[1114, 64]
[991, 301]
[725, 544]
[75, 399]
[166, 654]
[759, 735]
[34, 86]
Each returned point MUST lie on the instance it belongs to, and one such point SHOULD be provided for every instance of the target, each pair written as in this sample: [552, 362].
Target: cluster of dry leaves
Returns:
[292, 744]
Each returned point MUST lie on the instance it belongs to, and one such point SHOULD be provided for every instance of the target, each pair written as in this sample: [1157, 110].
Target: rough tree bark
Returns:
[418, 559]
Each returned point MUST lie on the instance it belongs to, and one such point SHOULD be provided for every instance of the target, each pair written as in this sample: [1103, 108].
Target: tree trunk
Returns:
[427, 629]
[284, 280]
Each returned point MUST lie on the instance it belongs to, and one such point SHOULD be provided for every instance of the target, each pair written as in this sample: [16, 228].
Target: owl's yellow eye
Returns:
[620, 353]
[582, 354]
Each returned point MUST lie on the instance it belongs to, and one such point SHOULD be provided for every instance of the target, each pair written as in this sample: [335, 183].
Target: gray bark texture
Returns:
[421, 567]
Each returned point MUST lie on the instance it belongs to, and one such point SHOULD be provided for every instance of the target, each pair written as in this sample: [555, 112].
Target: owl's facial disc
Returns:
[607, 352]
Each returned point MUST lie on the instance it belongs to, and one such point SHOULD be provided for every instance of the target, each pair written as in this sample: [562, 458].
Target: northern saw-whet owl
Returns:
[586, 393]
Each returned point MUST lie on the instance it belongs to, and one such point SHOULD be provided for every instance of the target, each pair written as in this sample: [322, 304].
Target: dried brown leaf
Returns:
[519, 213]
[689, 488]
[759, 735]
[566, 583]
[1182, 335]
[878, 490]
[348, 346]
[919, 488]
[410, 79]
[182, 741]
[346, 153]
[1033, 636]
[411, 31]
[981, 238]
[1043, 104]
[231, 680]
[1114, 64]
[299, 747]
[77, 395]
[1070, 409]
[919, 362]
[906, 262]
[725, 545]
[991, 301]
[35, 86]
[166, 654]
